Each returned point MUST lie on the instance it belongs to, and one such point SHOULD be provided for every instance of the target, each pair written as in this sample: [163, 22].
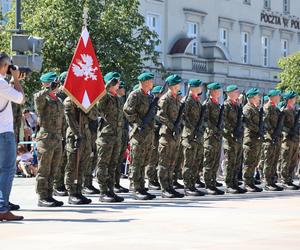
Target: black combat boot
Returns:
[272, 187]
[219, 184]
[142, 195]
[119, 189]
[200, 184]
[231, 190]
[177, 185]
[13, 207]
[214, 191]
[167, 194]
[153, 185]
[290, 186]
[252, 188]
[60, 191]
[177, 194]
[110, 197]
[49, 202]
[90, 190]
[78, 199]
[193, 192]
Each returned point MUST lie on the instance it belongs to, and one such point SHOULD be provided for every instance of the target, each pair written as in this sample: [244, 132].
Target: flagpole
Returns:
[85, 18]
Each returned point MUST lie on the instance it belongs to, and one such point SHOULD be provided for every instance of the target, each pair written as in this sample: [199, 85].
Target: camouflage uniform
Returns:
[124, 143]
[59, 178]
[251, 143]
[190, 145]
[290, 147]
[178, 160]
[108, 141]
[88, 173]
[233, 147]
[151, 169]
[78, 127]
[271, 149]
[168, 111]
[135, 109]
[212, 144]
[49, 141]
[17, 112]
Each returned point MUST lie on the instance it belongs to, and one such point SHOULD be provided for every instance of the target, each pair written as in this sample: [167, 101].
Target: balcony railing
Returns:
[199, 66]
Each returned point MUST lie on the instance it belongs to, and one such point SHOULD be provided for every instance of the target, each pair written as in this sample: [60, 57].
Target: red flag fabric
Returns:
[84, 83]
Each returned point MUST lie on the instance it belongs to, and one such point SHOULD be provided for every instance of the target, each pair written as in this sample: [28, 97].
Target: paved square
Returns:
[250, 221]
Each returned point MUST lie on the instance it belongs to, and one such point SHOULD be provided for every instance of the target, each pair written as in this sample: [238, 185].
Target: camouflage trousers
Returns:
[271, 157]
[211, 162]
[123, 147]
[166, 149]
[74, 176]
[251, 154]
[140, 154]
[178, 161]
[59, 178]
[108, 153]
[233, 154]
[192, 156]
[151, 169]
[49, 156]
[90, 168]
[289, 159]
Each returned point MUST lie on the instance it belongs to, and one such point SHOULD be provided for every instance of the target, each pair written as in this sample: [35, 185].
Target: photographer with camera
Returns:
[8, 94]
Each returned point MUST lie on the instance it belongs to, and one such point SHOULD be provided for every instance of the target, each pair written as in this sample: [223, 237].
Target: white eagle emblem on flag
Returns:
[84, 67]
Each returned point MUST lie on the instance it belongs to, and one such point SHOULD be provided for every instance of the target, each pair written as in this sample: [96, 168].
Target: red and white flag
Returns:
[84, 83]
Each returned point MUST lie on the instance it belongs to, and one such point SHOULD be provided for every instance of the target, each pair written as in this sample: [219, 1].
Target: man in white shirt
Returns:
[8, 94]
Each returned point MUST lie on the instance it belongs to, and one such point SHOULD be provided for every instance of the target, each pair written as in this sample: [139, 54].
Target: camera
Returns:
[22, 70]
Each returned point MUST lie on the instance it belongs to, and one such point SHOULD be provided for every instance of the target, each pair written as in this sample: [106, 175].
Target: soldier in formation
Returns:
[161, 129]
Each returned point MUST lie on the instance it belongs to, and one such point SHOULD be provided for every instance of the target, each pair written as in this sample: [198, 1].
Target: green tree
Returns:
[290, 75]
[120, 37]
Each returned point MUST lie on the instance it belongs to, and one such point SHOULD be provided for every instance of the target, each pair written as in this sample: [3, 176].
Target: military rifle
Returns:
[220, 123]
[152, 110]
[295, 129]
[178, 122]
[279, 125]
[199, 130]
[261, 125]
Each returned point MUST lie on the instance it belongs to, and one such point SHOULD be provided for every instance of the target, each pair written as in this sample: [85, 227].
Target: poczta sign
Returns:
[278, 20]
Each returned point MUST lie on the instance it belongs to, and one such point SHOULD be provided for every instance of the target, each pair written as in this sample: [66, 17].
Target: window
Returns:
[223, 36]
[267, 4]
[247, 2]
[193, 33]
[245, 47]
[284, 47]
[286, 6]
[265, 50]
[153, 22]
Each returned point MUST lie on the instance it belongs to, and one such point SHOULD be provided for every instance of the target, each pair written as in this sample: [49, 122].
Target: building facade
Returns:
[227, 41]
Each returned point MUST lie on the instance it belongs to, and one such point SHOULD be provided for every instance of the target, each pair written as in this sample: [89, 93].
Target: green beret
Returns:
[48, 77]
[122, 85]
[135, 87]
[289, 95]
[62, 77]
[156, 90]
[281, 105]
[111, 76]
[179, 92]
[173, 80]
[274, 92]
[194, 83]
[252, 92]
[145, 76]
[231, 88]
[266, 98]
[214, 86]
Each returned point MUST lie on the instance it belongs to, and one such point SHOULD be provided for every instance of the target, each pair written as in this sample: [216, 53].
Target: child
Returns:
[25, 162]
